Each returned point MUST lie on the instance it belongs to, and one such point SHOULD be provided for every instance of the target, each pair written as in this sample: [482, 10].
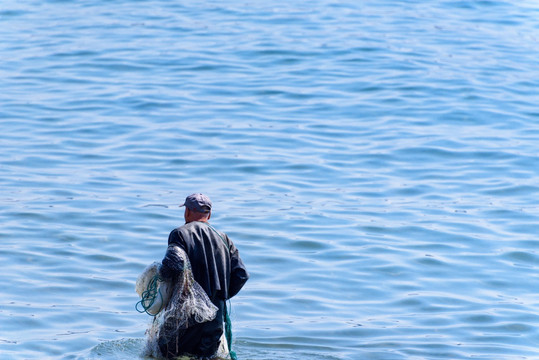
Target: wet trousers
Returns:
[201, 340]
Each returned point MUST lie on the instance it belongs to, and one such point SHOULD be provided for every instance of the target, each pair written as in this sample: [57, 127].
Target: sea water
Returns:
[376, 163]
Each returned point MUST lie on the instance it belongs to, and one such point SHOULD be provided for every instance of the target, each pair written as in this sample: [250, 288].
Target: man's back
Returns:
[215, 260]
[218, 269]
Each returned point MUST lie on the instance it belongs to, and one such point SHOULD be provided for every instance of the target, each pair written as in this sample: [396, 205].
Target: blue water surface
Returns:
[376, 163]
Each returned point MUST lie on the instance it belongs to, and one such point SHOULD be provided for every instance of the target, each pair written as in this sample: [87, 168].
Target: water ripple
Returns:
[375, 163]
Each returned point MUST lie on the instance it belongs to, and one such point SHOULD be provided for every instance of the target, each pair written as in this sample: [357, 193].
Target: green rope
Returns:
[149, 295]
[228, 334]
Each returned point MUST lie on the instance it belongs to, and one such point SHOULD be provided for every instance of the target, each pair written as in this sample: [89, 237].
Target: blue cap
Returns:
[198, 202]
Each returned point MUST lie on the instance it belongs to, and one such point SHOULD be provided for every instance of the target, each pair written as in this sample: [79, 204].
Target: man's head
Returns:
[197, 207]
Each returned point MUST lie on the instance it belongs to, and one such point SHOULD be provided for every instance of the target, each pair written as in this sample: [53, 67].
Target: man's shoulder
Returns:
[188, 231]
[177, 235]
[185, 231]
[184, 227]
[191, 226]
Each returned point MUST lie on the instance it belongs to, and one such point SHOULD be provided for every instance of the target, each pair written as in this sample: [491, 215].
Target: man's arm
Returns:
[238, 272]
[172, 264]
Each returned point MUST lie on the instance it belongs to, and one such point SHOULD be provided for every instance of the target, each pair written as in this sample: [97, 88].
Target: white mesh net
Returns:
[188, 305]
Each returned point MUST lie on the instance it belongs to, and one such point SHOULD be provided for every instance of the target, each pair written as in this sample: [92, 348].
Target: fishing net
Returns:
[154, 291]
[188, 304]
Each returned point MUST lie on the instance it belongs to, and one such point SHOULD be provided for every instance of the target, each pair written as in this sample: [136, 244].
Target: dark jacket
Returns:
[215, 261]
[218, 269]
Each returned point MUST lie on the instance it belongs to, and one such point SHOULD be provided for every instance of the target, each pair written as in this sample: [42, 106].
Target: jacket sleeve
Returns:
[238, 272]
[172, 264]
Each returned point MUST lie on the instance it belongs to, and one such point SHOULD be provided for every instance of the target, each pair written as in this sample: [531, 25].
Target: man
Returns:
[216, 266]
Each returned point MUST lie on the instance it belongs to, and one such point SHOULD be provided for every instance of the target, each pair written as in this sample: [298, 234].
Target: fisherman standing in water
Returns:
[216, 266]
